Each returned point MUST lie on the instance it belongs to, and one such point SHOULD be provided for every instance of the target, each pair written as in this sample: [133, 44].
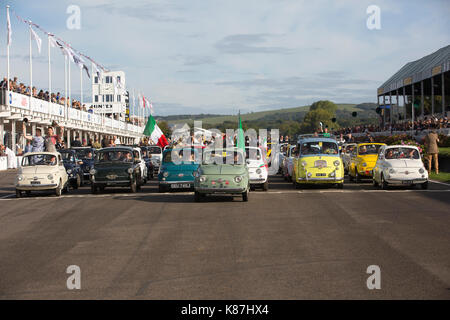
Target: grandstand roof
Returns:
[415, 71]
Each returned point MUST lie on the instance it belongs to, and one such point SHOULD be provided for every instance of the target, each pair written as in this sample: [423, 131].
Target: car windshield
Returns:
[253, 153]
[349, 149]
[402, 153]
[366, 149]
[223, 157]
[85, 154]
[154, 150]
[39, 160]
[67, 156]
[181, 156]
[318, 147]
[114, 156]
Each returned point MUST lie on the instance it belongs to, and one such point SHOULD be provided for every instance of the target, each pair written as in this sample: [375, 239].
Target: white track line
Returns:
[439, 182]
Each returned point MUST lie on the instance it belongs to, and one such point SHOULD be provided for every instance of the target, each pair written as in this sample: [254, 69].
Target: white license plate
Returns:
[35, 182]
[180, 185]
[407, 181]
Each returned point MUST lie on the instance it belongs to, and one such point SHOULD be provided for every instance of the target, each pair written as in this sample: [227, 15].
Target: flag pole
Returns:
[81, 88]
[69, 103]
[49, 76]
[7, 49]
[31, 64]
[66, 109]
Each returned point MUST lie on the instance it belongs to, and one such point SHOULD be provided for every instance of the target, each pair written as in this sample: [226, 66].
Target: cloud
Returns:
[249, 43]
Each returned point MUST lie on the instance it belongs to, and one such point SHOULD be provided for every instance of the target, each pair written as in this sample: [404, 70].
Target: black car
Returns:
[148, 163]
[73, 167]
[85, 154]
[154, 153]
[116, 167]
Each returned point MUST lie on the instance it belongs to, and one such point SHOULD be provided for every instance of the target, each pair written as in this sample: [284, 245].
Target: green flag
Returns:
[240, 138]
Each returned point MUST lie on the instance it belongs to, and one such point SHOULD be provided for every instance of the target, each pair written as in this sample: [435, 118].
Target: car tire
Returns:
[340, 185]
[197, 196]
[66, 188]
[79, 181]
[424, 185]
[245, 196]
[357, 177]
[74, 184]
[374, 182]
[133, 186]
[161, 188]
[265, 186]
[94, 189]
[383, 183]
[18, 194]
[58, 189]
[28, 193]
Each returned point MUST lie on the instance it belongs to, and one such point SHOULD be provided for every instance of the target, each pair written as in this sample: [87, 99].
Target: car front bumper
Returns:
[31, 187]
[406, 181]
[111, 183]
[220, 190]
[320, 180]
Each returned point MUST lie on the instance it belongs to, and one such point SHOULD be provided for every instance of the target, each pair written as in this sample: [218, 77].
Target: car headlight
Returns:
[258, 171]
[50, 177]
[165, 174]
[237, 179]
[202, 179]
[92, 171]
[421, 170]
[130, 170]
[336, 163]
[304, 163]
[69, 171]
[364, 164]
[20, 177]
[391, 171]
[332, 174]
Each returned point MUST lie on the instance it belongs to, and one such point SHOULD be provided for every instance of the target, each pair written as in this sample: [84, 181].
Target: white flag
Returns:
[36, 37]
[151, 107]
[8, 26]
[52, 41]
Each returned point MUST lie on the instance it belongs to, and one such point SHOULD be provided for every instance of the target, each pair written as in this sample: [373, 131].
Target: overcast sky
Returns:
[210, 56]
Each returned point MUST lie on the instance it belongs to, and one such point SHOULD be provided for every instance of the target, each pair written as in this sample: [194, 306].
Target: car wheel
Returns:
[133, 186]
[74, 184]
[245, 196]
[79, 182]
[162, 188]
[383, 183]
[424, 185]
[197, 196]
[374, 182]
[265, 186]
[357, 177]
[58, 189]
[340, 186]
[66, 188]
[18, 194]
[94, 189]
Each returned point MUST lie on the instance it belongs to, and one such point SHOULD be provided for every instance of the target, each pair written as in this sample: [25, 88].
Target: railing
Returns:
[51, 110]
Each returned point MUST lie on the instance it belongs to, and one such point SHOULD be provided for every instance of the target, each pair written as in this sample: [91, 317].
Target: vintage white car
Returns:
[138, 156]
[257, 168]
[42, 171]
[288, 163]
[399, 165]
[346, 154]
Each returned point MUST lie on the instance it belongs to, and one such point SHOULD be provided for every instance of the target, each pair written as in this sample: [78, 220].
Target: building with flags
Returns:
[109, 94]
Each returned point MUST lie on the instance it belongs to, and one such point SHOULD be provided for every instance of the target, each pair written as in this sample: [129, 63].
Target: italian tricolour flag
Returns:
[154, 132]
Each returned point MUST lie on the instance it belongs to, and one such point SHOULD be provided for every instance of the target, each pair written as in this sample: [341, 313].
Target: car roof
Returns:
[43, 152]
[317, 139]
[371, 143]
[116, 148]
[401, 146]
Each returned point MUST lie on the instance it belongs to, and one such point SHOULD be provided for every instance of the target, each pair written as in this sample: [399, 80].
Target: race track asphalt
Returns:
[314, 243]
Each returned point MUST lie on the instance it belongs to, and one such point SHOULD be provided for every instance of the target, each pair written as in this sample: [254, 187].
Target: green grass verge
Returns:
[444, 152]
[442, 176]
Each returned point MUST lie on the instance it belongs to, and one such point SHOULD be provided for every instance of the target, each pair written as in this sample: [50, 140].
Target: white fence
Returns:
[54, 110]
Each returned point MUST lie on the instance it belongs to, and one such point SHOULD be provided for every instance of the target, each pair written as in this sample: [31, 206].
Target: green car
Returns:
[116, 167]
[222, 172]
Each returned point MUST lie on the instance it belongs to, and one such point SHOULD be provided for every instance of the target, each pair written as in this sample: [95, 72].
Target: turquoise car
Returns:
[177, 169]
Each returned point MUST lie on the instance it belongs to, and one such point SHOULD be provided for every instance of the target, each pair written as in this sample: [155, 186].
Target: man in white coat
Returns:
[11, 157]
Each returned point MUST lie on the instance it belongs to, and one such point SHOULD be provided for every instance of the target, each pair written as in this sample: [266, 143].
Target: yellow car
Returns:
[317, 162]
[363, 160]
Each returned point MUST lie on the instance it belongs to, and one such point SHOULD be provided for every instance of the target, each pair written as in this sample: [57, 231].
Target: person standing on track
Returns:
[431, 145]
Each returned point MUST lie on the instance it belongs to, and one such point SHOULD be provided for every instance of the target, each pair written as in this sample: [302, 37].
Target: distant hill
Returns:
[365, 113]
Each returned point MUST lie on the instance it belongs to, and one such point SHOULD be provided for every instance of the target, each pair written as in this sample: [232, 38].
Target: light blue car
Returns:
[178, 167]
